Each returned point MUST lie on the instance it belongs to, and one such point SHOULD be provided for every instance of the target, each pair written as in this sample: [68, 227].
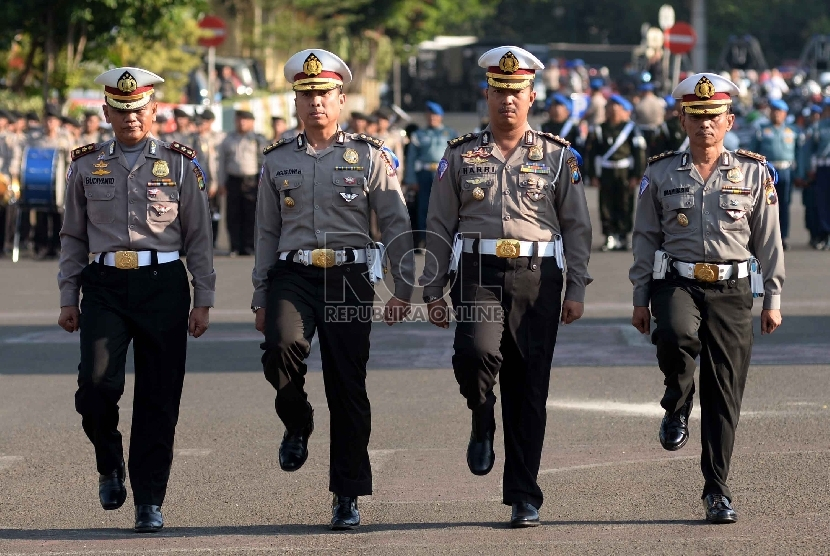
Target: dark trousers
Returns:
[47, 230]
[3, 211]
[425, 178]
[616, 202]
[241, 208]
[304, 300]
[713, 321]
[148, 306]
[808, 197]
[507, 316]
[783, 190]
[821, 198]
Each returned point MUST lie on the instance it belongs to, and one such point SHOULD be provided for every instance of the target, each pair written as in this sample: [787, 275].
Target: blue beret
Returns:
[670, 102]
[646, 86]
[622, 101]
[779, 104]
[435, 108]
[559, 98]
[816, 108]
[826, 101]
[597, 83]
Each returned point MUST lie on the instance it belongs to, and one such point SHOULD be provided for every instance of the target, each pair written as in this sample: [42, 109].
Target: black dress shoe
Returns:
[294, 446]
[344, 514]
[111, 489]
[524, 515]
[148, 518]
[719, 509]
[674, 429]
[480, 454]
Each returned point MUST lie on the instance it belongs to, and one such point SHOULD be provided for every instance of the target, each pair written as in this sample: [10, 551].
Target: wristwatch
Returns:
[431, 298]
[254, 309]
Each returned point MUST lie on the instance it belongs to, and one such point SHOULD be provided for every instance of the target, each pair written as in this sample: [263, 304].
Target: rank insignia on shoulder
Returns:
[751, 154]
[462, 139]
[660, 156]
[377, 143]
[273, 146]
[182, 149]
[82, 151]
[555, 138]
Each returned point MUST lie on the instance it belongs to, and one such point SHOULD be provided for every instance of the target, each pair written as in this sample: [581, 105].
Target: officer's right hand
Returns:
[641, 319]
[70, 318]
[439, 313]
[259, 321]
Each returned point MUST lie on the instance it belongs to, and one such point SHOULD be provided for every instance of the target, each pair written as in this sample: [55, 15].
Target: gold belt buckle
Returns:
[508, 248]
[706, 272]
[126, 259]
[324, 258]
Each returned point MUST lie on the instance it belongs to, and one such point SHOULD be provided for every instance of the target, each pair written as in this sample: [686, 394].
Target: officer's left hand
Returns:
[770, 320]
[571, 311]
[395, 311]
[199, 321]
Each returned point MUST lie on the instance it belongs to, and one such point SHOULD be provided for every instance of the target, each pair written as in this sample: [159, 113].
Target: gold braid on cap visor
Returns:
[711, 107]
[133, 102]
[515, 85]
[316, 84]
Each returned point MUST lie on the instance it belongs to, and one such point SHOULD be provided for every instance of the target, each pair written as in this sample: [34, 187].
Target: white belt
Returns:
[821, 161]
[135, 259]
[511, 248]
[782, 164]
[705, 272]
[428, 166]
[617, 164]
[325, 258]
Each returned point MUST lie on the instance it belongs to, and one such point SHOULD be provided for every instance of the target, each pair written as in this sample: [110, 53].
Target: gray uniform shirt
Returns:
[730, 217]
[239, 155]
[534, 195]
[319, 215]
[158, 204]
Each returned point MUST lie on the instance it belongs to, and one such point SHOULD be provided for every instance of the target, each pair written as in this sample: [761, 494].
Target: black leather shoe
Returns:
[480, 454]
[344, 514]
[674, 429]
[524, 515]
[111, 489]
[148, 518]
[719, 509]
[294, 446]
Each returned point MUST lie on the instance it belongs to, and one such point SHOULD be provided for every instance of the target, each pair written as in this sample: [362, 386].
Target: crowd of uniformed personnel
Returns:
[503, 213]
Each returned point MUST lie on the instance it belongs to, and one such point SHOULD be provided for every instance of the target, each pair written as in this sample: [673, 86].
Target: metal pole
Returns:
[396, 82]
[699, 23]
[211, 73]
[675, 74]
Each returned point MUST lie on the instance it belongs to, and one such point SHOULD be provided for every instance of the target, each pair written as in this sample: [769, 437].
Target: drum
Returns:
[42, 177]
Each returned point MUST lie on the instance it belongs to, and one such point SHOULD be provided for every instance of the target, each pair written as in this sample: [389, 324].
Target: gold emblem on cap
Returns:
[704, 88]
[536, 153]
[160, 168]
[682, 219]
[735, 175]
[312, 65]
[127, 83]
[289, 202]
[351, 156]
[509, 63]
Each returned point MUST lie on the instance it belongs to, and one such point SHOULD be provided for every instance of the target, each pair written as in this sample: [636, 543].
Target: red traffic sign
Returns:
[214, 31]
[680, 38]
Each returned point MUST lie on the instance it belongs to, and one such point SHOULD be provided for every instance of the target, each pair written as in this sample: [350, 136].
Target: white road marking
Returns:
[184, 452]
[632, 337]
[601, 406]
[8, 461]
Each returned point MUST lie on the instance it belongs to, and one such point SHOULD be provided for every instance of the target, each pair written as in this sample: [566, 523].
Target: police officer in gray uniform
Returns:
[516, 198]
[315, 269]
[704, 216]
[133, 202]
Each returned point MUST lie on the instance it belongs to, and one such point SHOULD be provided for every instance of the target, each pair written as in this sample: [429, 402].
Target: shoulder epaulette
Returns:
[82, 151]
[279, 143]
[463, 139]
[377, 143]
[751, 154]
[660, 156]
[556, 138]
[182, 149]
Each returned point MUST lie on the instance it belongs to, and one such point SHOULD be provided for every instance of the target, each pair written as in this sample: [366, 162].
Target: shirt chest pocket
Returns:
[535, 193]
[477, 192]
[100, 208]
[349, 191]
[290, 198]
[679, 214]
[162, 204]
[734, 211]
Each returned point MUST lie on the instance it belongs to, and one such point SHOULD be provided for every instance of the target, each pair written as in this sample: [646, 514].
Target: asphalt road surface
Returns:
[609, 487]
